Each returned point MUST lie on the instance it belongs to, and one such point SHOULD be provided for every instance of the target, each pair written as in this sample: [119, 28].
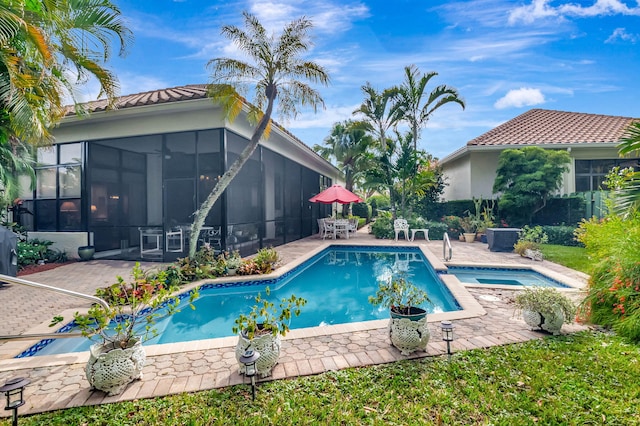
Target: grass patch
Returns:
[586, 378]
[571, 257]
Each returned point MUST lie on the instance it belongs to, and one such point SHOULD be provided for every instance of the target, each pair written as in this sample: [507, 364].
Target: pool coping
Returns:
[470, 308]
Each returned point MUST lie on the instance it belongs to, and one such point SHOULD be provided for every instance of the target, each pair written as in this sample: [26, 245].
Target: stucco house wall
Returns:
[471, 170]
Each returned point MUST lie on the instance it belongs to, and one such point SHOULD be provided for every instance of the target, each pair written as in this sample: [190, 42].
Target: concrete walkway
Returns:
[58, 382]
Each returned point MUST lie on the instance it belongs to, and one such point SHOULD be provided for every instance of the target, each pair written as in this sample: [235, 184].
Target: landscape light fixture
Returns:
[249, 359]
[13, 390]
[447, 335]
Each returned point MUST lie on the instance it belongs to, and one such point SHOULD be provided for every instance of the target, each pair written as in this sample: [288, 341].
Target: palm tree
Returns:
[415, 106]
[46, 49]
[379, 112]
[277, 71]
[15, 160]
[627, 199]
[379, 115]
[348, 145]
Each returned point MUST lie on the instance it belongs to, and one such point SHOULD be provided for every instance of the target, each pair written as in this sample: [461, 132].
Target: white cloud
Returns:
[524, 96]
[540, 9]
[622, 34]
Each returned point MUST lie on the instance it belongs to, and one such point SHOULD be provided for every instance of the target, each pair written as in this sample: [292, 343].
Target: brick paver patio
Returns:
[58, 381]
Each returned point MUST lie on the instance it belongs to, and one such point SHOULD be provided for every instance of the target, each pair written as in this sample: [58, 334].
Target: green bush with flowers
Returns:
[613, 298]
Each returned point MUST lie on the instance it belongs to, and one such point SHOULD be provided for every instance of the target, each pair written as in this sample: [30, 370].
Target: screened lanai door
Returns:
[179, 205]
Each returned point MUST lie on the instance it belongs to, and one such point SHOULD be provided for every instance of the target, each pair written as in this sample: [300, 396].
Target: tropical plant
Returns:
[347, 145]
[415, 106]
[530, 238]
[46, 49]
[399, 295]
[135, 307]
[613, 293]
[16, 160]
[546, 300]
[468, 224]
[266, 318]
[278, 73]
[234, 260]
[379, 116]
[526, 178]
[266, 259]
[454, 225]
[627, 195]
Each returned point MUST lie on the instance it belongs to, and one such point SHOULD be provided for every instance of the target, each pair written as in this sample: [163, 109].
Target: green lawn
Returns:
[571, 257]
[586, 378]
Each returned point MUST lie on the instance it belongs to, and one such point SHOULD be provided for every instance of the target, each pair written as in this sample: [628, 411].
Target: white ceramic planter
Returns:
[549, 321]
[409, 333]
[267, 345]
[111, 370]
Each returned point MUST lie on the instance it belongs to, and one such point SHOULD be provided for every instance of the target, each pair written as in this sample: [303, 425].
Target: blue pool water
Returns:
[503, 276]
[336, 283]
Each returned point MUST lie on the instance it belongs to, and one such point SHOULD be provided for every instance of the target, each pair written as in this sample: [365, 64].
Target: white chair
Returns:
[321, 230]
[212, 236]
[353, 225]
[341, 228]
[401, 225]
[328, 229]
[174, 240]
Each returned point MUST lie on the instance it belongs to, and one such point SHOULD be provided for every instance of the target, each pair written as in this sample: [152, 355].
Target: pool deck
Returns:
[58, 381]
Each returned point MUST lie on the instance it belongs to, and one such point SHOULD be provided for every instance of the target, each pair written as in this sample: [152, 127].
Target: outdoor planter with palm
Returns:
[261, 328]
[545, 308]
[408, 329]
[118, 357]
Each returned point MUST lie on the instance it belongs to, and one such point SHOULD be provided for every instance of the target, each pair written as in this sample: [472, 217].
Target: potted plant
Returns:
[469, 226]
[545, 308]
[118, 357]
[261, 328]
[233, 262]
[408, 324]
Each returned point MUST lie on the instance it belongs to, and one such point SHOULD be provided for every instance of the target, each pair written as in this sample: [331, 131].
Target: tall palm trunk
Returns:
[226, 179]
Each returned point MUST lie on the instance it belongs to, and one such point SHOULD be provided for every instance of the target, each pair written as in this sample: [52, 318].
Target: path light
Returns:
[14, 389]
[249, 359]
[447, 335]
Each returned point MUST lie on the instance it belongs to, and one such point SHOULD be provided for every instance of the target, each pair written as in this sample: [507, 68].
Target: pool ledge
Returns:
[470, 308]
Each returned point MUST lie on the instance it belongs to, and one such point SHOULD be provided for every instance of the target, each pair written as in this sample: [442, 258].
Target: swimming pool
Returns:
[503, 276]
[336, 282]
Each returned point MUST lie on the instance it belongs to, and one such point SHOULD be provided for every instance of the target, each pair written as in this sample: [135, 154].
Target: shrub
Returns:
[266, 259]
[561, 235]
[383, 226]
[32, 251]
[437, 230]
[381, 202]
[613, 293]
[362, 210]
[453, 225]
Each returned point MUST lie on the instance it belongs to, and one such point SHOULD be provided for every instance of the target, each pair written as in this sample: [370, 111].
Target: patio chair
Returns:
[401, 225]
[174, 240]
[212, 236]
[327, 229]
[353, 225]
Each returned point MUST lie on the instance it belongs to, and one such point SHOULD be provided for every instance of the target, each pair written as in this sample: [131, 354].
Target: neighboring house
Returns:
[129, 180]
[590, 139]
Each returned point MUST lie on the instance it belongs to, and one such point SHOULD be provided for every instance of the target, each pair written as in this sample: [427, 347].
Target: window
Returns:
[58, 188]
[590, 174]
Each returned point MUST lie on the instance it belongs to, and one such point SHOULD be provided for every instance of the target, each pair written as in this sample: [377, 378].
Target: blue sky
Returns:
[504, 57]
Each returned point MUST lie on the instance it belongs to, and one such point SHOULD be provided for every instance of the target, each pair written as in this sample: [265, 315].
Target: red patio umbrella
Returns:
[336, 194]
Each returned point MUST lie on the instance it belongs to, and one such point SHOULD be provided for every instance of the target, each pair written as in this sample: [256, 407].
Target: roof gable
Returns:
[549, 127]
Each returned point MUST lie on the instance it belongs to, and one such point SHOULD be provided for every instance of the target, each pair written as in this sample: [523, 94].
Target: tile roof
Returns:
[173, 94]
[549, 127]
